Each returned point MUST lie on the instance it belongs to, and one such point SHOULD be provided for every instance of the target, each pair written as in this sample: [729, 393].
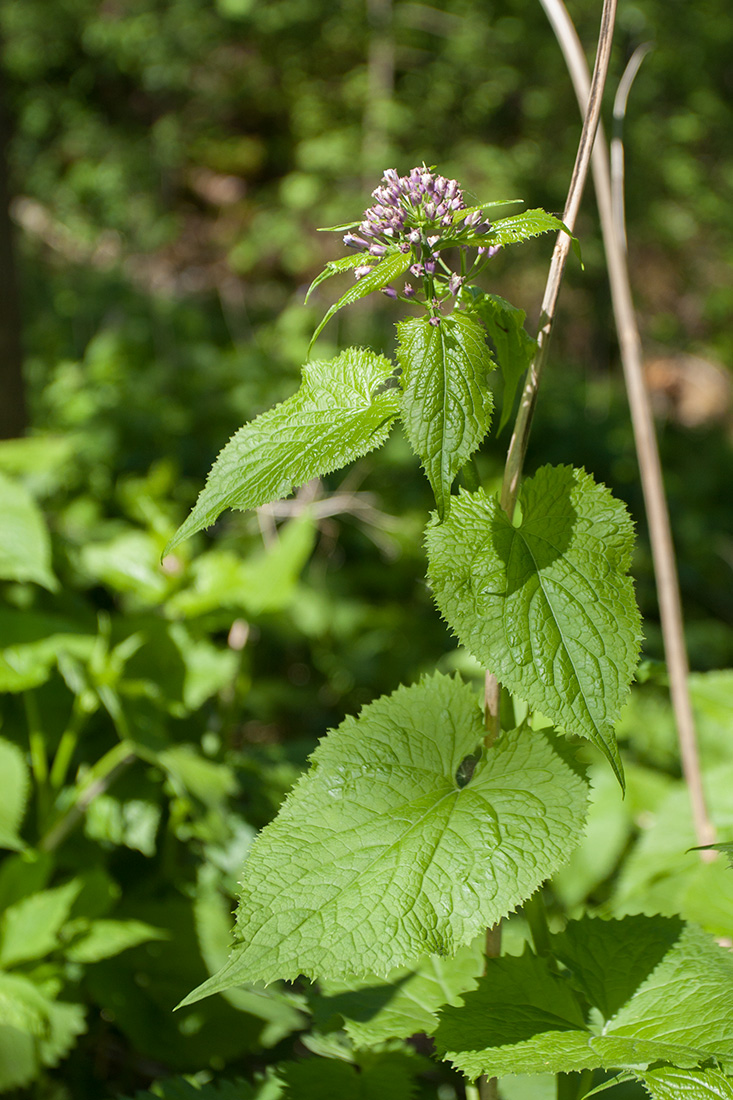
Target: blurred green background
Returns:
[166, 164]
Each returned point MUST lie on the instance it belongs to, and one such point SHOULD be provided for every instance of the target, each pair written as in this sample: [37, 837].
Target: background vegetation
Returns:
[166, 165]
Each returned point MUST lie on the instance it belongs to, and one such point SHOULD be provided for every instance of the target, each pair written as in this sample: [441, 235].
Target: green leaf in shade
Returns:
[446, 404]
[335, 267]
[342, 411]
[105, 938]
[545, 604]
[25, 545]
[391, 267]
[30, 929]
[380, 856]
[14, 783]
[406, 1003]
[521, 1018]
[608, 960]
[514, 346]
[687, 1084]
[378, 1075]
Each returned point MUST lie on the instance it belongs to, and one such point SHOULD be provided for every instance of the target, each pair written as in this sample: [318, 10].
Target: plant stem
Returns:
[67, 745]
[98, 779]
[38, 755]
[536, 915]
[523, 424]
[650, 468]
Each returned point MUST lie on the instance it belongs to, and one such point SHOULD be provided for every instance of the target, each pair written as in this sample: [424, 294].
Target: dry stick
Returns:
[668, 593]
[520, 436]
[487, 1087]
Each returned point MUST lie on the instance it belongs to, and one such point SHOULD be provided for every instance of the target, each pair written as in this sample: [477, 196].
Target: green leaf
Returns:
[178, 1088]
[383, 1075]
[446, 404]
[520, 227]
[335, 267]
[687, 1084]
[379, 856]
[14, 783]
[514, 346]
[520, 1018]
[105, 938]
[342, 411]
[25, 546]
[22, 1004]
[391, 267]
[608, 959]
[726, 849]
[546, 604]
[29, 929]
[404, 1004]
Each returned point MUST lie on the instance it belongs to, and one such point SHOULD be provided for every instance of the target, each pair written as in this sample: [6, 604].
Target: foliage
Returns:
[154, 719]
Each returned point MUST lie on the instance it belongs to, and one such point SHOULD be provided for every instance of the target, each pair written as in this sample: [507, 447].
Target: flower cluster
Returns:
[418, 214]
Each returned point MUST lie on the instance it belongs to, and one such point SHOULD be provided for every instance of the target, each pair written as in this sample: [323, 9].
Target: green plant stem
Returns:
[38, 755]
[67, 746]
[525, 413]
[536, 916]
[99, 778]
[573, 1086]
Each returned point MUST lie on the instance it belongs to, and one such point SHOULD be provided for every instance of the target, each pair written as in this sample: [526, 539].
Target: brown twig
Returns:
[650, 468]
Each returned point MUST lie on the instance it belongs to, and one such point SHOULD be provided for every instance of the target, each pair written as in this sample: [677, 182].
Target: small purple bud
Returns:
[351, 241]
[415, 236]
[447, 220]
[426, 181]
[360, 272]
[429, 210]
[455, 283]
[435, 320]
[432, 241]
[388, 232]
[389, 292]
[473, 219]
[456, 204]
[429, 267]
[451, 188]
[489, 251]
[404, 247]
[390, 175]
[417, 270]
[377, 249]
[409, 291]
[366, 230]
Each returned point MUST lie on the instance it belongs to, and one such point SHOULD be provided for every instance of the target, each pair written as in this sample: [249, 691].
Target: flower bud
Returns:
[389, 292]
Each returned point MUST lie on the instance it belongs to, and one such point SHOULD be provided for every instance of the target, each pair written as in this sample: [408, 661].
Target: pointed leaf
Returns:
[391, 267]
[546, 604]
[520, 227]
[29, 929]
[335, 267]
[518, 1019]
[341, 411]
[446, 405]
[514, 346]
[380, 856]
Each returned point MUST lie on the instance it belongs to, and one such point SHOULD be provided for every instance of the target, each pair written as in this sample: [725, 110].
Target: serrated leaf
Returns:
[446, 403]
[379, 856]
[178, 1088]
[390, 267]
[335, 267]
[725, 849]
[405, 1003]
[546, 604]
[609, 959]
[25, 546]
[340, 413]
[687, 1084]
[514, 346]
[517, 1020]
[521, 227]
[29, 929]
[14, 783]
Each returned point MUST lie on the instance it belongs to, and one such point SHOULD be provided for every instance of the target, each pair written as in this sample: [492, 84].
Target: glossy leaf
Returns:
[342, 411]
[447, 403]
[546, 603]
[390, 267]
